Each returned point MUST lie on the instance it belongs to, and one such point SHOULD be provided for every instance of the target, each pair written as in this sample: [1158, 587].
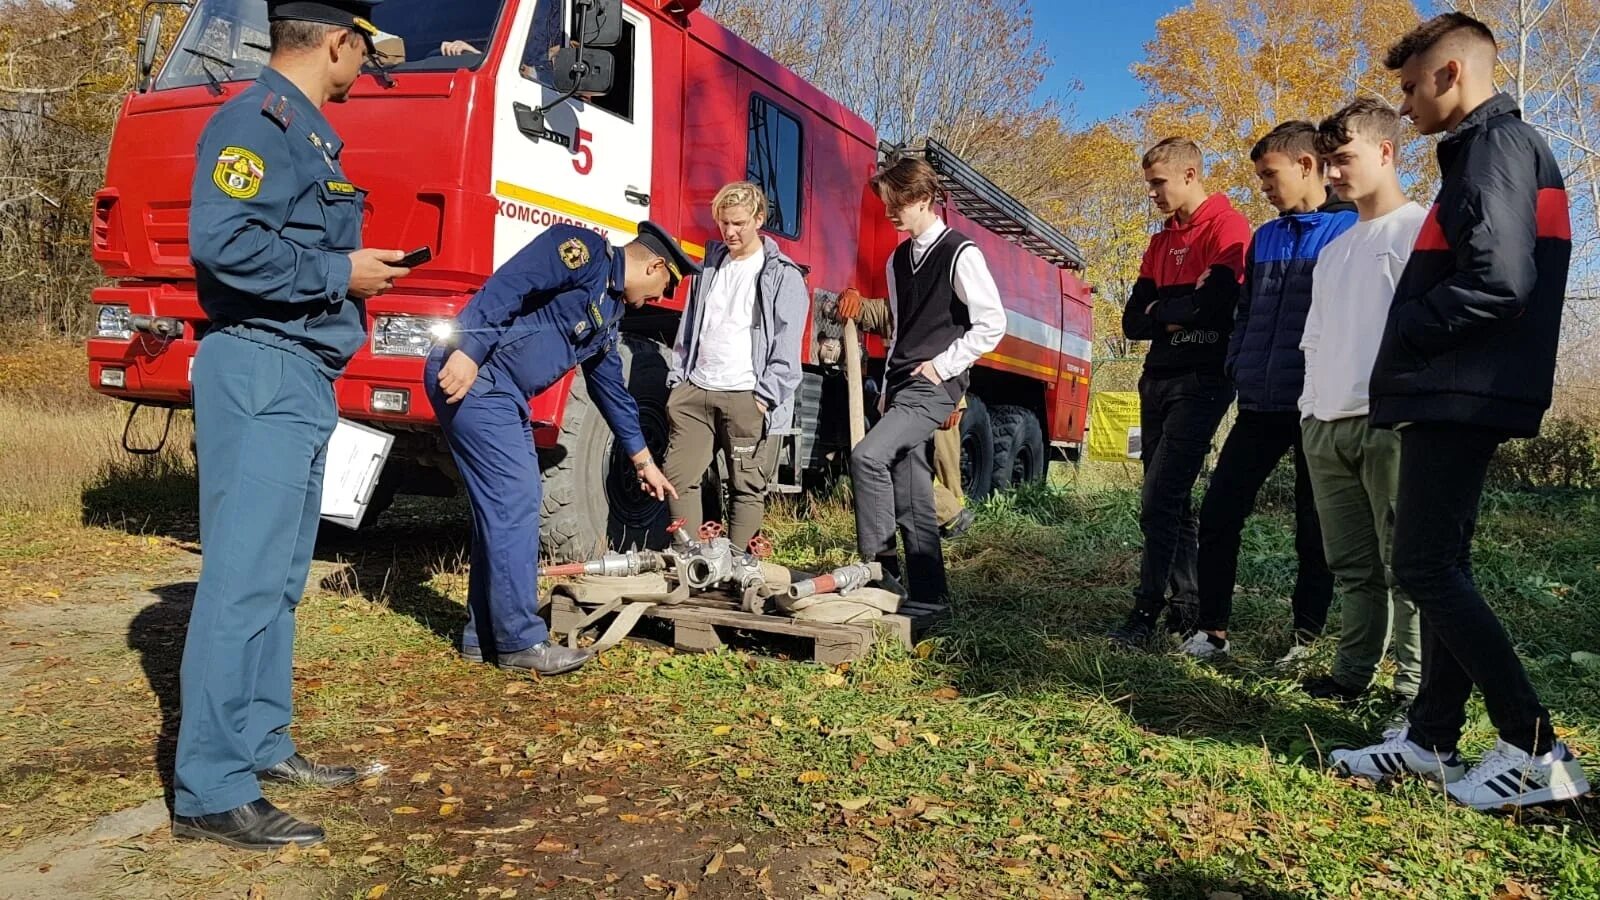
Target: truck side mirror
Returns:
[597, 23]
[149, 45]
[592, 73]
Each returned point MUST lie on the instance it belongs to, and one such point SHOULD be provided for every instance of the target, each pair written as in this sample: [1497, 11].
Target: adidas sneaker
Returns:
[1398, 756]
[1510, 776]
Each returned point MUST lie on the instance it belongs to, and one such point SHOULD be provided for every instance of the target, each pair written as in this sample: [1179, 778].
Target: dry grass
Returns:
[62, 442]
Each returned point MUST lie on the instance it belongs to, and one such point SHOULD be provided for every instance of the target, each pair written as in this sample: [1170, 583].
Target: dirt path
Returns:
[494, 787]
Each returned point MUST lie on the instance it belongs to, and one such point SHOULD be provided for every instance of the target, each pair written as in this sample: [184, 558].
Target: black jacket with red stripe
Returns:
[1188, 326]
[1472, 334]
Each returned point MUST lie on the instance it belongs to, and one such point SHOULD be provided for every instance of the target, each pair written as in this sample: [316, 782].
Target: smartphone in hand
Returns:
[413, 259]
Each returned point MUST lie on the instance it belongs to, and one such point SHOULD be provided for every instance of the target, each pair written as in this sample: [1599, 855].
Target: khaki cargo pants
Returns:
[704, 423]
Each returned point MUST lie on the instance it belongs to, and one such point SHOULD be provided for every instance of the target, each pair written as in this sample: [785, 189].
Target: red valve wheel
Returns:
[710, 531]
[760, 547]
[675, 524]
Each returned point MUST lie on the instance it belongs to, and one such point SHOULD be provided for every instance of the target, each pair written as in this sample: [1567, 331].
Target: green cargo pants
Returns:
[1355, 475]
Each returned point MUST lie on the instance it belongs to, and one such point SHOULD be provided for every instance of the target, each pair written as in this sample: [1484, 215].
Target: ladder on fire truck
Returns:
[985, 203]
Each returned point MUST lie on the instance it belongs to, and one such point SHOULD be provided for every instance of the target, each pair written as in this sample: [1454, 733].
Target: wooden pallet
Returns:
[711, 622]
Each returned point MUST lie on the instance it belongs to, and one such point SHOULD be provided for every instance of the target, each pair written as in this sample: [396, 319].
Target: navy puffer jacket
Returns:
[1264, 357]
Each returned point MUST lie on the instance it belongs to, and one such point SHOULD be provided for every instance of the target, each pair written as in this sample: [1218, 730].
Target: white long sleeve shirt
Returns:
[976, 288]
[1352, 288]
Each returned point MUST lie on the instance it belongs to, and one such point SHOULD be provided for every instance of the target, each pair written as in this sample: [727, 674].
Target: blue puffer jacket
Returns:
[1264, 358]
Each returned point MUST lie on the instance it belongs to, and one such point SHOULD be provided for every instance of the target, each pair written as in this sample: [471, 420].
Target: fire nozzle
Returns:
[843, 580]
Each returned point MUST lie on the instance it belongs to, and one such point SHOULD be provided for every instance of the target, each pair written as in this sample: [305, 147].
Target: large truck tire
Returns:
[977, 451]
[1018, 447]
[592, 500]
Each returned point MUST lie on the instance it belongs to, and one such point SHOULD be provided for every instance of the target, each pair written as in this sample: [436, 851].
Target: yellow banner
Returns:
[1114, 426]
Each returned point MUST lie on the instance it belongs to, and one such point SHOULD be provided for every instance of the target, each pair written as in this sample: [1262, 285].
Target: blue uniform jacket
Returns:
[1264, 356]
[272, 221]
[556, 304]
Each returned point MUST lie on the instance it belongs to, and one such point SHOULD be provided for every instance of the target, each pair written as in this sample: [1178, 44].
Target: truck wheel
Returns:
[592, 500]
[977, 451]
[1018, 447]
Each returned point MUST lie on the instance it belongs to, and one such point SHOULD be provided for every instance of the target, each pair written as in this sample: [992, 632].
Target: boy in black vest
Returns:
[1467, 361]
[946, 314]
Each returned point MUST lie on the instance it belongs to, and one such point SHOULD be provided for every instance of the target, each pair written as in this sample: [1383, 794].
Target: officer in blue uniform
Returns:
[275, 236]
[555, 305]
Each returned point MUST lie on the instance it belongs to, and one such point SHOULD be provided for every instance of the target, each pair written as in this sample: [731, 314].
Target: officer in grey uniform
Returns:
[275, 233]
[557, 304]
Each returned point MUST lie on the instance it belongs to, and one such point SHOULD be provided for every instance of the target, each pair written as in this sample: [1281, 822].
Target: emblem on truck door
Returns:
[239, 173]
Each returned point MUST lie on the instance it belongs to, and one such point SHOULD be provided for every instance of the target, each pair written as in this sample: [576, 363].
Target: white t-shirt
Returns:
[722, 360]
[1352, 288]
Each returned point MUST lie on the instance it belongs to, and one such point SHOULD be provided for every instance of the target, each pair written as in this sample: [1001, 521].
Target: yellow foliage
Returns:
[1225, 72]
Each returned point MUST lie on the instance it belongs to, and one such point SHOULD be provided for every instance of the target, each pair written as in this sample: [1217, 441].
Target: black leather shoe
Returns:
[254, 826]
[299, 770]
[548, 658]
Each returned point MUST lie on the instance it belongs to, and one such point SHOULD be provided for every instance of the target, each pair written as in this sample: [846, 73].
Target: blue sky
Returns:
[1096, 42]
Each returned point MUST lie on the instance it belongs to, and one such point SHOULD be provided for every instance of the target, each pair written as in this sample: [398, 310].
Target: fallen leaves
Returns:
[549, 844]
[377, 892]
[854, 804]
[811, 776]
[715, 864]
[405, 810]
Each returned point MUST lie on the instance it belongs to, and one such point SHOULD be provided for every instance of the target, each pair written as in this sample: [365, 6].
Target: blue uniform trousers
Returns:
[492, 443]
[263, 417]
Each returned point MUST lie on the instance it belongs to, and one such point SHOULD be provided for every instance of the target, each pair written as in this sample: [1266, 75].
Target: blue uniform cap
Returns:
[356, 14]
[666, 246]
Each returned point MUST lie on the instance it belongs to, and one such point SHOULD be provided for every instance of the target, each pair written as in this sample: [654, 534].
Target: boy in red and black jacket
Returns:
[1183, 303]
[1467, 361]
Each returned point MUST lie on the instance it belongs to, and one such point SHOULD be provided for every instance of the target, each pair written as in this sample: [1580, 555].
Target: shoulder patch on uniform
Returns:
[276, 107]
[341, 187]
[239, 173]
[575, 253]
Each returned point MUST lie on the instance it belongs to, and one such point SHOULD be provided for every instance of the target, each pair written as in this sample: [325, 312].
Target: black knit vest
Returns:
[928, 316]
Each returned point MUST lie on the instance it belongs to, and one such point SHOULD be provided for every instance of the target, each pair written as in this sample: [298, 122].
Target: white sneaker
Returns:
[1297, 656]
[1510, 776]
[1396, 756]
[1396, 726]
[1201, 645]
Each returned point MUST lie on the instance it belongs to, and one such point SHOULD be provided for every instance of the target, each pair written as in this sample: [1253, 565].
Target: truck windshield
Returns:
[228, 40]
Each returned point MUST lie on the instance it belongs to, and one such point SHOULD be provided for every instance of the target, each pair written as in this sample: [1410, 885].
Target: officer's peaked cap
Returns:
[355, 14]
[666, 246]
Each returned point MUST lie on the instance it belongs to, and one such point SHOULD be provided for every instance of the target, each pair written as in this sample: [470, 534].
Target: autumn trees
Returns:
[65, 70]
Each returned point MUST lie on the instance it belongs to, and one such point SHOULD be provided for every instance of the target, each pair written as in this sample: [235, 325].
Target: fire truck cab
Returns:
[480, 132]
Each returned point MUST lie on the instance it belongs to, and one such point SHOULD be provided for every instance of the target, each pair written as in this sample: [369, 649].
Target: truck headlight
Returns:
[114, 322]
[408, 335]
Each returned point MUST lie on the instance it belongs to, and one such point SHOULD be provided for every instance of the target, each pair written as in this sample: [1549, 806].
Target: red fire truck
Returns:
[481, 130]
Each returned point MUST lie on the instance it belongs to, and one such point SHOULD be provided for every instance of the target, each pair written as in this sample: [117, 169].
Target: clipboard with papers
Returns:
[356, 454]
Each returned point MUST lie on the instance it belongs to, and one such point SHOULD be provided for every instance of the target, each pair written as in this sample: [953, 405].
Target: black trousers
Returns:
[1442, 468]
[1178, 416]
[1249, 456]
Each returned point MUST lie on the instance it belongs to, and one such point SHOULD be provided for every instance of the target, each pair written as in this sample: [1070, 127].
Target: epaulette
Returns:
[276, 107]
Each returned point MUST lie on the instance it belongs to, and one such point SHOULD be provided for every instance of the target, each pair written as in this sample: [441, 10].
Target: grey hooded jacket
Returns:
[778, 322]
